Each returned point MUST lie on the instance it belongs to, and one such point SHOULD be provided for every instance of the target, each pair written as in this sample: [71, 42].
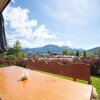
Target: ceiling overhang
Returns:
[3, 4]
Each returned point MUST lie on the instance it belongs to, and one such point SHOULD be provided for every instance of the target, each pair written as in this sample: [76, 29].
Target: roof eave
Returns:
[5, 5]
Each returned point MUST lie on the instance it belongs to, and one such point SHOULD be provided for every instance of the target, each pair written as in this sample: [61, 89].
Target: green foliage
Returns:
[84, 54]
[77, 53]
[96, 83]
[15, 52]
[71, 53]
[98, 53]
[95, 67]
[12, 61]
[95, 52]
[10, 51]
[3, 65]
[91, 54]
[65, 52]
[17, 47]
[20, 54]
[2, 55]
[11, 57]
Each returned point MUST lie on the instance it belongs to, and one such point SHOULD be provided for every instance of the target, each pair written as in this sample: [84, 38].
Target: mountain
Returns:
[79, 49]
[96, 50]
[49, 48]
[45, 49]
[66, 47]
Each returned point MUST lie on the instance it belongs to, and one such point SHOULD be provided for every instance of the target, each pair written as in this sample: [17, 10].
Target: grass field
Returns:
[96, 83]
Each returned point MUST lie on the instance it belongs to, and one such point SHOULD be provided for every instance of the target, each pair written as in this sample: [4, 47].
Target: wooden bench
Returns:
[75, 71]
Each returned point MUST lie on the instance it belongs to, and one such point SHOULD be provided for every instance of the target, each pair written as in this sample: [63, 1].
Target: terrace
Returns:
[10, 79]
[38, 85]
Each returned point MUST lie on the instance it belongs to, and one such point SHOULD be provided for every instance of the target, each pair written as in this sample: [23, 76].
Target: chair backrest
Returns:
[75, 71]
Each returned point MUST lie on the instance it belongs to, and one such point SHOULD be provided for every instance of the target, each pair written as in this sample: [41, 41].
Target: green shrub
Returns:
[11, 57]
[95, 67]
[3, 65]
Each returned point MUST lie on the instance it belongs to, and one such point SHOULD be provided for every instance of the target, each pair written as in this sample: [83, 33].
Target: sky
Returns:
[35, 23]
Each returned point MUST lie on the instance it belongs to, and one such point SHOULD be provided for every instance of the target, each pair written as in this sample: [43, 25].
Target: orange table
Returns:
[39, 86]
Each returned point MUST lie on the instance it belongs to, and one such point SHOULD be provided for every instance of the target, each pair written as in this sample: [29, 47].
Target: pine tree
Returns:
[77, 53]
[84, 54]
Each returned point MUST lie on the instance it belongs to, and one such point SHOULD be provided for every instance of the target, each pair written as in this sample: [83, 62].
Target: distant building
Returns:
[29, 54]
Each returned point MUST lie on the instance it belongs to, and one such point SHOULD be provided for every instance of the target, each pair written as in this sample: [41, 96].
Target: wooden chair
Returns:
[75, 71]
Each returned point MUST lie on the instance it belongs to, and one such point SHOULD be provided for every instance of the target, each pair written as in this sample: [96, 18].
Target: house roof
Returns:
[3, 4]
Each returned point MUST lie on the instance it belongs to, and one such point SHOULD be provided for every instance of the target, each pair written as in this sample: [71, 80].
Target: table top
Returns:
[39, 86]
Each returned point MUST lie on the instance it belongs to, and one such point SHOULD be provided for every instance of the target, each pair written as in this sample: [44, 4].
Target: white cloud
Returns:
[43, 42]
[32, 44]
[24, 29]
[18, 20]
[42, 32]
[26, 43]
[62, 43]
[20, 27]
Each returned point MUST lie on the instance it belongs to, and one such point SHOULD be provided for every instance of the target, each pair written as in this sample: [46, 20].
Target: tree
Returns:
[71, 53]
[21, 55]
[10, 51]
[77, 53]
[84, 54]
[49, 52]
[17, 47]
[65, 52]
[98, 53]
[15, 51]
